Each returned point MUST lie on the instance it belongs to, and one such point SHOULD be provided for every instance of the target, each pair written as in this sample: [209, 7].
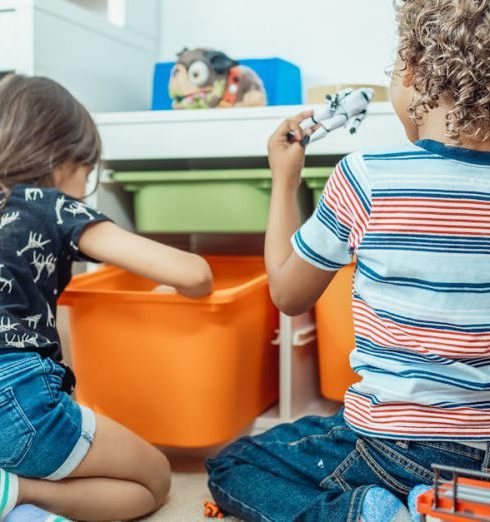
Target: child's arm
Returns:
[295, 285]
[188, 273]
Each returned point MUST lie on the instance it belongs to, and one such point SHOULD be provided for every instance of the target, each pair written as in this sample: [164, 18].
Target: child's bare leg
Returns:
[121, 477]
[90, 499]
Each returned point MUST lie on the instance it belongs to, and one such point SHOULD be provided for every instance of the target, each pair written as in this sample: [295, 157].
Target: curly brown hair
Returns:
[446, 46]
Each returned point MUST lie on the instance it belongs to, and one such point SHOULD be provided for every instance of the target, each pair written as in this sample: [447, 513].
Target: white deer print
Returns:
[8, 218]
[5, 283]
[6, 325]
[42, 262]
[79, 208]
[35, 241]
[50, 264]
[31, 194]
[38, 262]
[50, 321]
[18, 341]
[32, 321]
[59, 205]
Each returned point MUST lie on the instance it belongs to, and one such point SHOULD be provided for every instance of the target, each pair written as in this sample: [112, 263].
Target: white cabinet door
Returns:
[16, 36]
[10, 40]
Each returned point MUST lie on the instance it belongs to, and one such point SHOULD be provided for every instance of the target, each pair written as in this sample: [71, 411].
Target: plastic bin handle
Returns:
[277, 340]
[301, 336]
[304, 336]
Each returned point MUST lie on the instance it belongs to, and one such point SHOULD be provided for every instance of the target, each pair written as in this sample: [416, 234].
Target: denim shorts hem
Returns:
[80, 449]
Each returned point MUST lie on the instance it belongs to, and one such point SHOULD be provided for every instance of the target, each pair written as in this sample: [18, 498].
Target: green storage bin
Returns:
[315, 179]
[225, 201]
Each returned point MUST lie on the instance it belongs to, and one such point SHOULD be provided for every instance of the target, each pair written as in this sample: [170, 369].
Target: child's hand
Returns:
[165, 289]
[286, 159]
[170, 290]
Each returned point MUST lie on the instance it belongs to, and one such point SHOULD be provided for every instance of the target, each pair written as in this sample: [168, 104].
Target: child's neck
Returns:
[434, 128]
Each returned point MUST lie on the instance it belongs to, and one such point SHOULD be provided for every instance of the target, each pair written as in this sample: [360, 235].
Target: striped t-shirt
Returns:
[418, 221]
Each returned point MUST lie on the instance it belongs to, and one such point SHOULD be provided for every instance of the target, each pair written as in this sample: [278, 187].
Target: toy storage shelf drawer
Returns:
[226, 201]
[315, 179]
[177, 371]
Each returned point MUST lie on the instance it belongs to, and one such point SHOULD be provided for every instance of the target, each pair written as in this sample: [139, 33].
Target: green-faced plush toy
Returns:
[204, 78]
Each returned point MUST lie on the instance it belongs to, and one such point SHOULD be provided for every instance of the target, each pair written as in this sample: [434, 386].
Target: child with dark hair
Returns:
[416, 220]
[55, 453]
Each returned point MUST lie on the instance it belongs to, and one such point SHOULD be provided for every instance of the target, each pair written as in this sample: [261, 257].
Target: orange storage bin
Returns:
[177, 371]
[335, 331]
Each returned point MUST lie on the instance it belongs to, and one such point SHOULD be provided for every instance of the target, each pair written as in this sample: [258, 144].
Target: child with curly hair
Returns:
[416, 219]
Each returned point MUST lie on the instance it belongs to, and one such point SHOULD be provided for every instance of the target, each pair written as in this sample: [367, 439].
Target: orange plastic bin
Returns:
[335, 331]
[179, 372]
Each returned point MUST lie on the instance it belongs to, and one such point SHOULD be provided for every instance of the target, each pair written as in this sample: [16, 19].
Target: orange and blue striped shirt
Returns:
[417, 219]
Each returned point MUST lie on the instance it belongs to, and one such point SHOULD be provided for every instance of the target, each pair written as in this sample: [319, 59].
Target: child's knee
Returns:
[220, 465]
[161, 480]
[229, 453]
[241, 451]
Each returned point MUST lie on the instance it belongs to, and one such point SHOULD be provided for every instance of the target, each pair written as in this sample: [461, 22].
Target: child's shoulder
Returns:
[370, 161]
[27, 209]
[41, 205]
[49, 212]
[43, 197]
[391, 153]
[367, 167]
[31, 201]
[33, 193]
[364, 160]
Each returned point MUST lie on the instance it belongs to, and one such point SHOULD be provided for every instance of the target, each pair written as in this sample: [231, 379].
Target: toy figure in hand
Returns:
[344, 108]
[204, 78]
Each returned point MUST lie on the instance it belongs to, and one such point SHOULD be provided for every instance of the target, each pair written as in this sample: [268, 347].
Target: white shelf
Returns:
[227, 133]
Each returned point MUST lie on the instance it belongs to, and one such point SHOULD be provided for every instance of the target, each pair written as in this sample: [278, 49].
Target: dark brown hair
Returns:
[42, 126]
[446, 46]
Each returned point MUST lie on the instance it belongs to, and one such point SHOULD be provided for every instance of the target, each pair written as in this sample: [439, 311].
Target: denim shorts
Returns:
[44, 433]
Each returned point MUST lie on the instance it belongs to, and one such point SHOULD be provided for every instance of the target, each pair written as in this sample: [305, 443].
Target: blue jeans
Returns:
[43, 432]
[318, 469]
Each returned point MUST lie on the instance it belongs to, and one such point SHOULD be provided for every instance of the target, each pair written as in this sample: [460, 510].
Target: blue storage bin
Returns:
[282, 82]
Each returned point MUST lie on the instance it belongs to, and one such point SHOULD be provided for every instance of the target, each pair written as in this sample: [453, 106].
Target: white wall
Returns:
[136, 15]
[333, 41]
[118, 78]
[143, 16]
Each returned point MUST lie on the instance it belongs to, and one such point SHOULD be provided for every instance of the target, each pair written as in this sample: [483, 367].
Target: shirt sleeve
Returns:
[332, 235]
[72, 216]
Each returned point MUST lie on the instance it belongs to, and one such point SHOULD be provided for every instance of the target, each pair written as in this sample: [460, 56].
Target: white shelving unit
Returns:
[146, 140]
[106, 66]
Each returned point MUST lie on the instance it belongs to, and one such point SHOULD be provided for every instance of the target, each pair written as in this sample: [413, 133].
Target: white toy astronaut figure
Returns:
[345, 108]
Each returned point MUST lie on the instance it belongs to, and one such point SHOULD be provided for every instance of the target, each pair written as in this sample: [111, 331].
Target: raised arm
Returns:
[301, 267]
[295, 284]
[188, 273]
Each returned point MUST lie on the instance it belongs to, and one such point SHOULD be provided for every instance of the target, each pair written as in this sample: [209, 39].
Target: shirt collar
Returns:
[457, 153]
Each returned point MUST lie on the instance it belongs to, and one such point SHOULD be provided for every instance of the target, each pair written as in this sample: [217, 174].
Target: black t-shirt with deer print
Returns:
[39, 233]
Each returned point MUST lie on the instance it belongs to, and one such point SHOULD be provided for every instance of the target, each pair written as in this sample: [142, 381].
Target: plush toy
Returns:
[205, 78]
